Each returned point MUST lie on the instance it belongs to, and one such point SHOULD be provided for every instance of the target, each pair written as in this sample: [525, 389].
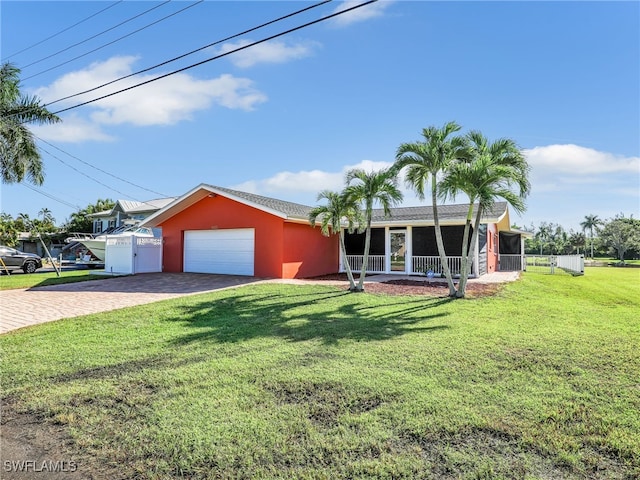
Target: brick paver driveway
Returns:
[21, 308]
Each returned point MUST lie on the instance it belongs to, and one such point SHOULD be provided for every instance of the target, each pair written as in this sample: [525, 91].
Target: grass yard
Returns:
[283, 381]
[21, 280]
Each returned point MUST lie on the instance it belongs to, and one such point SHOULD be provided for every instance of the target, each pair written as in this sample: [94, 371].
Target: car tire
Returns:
[29, 267]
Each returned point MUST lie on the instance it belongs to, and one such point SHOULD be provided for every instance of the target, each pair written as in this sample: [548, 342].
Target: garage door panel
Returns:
[228, 251]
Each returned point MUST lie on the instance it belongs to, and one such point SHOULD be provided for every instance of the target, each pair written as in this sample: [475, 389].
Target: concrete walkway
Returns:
[26, 307]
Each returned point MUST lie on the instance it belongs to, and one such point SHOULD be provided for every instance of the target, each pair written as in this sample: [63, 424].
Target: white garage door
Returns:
[229, 252]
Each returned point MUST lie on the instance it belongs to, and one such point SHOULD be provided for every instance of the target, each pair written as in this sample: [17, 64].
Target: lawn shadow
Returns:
[329, 316]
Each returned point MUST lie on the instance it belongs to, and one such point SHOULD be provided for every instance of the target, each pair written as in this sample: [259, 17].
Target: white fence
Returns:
[573, 264]
[132, 254]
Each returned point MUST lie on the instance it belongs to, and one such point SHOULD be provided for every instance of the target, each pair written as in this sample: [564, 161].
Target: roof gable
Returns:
[279, 208]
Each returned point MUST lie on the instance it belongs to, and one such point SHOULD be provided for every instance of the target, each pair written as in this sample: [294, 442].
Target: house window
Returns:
[112, 223]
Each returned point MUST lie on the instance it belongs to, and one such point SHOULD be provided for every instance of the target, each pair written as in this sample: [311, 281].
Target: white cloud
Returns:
[576, 160]
[303, 186]
[373, 10]
[273, 51]
[163, 102]
[305, 181]
[72, 130]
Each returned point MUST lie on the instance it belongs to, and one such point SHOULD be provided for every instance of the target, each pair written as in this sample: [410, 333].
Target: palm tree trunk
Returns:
[465, 242]
[464, 275]
[439, 242]
[345, 262]
[591, 243]
[365, 260]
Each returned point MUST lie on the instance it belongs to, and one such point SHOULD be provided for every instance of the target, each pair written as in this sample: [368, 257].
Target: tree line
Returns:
[618, 237]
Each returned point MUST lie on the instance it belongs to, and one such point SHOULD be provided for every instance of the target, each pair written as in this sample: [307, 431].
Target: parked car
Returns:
[12, 259]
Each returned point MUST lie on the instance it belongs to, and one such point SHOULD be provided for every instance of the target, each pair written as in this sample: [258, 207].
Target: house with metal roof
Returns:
[127, 212]
[213, 229]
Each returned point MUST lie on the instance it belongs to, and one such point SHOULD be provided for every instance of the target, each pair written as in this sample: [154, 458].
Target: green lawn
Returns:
[21, 280]
[282, 381]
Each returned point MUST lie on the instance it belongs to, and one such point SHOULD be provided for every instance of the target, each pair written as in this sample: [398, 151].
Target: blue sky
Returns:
[287, 118]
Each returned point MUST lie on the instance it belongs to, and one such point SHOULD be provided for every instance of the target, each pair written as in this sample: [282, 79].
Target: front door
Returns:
[398, 242]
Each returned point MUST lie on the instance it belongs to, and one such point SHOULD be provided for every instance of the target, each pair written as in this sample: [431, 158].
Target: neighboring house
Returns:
[126, 212]
[218, 230]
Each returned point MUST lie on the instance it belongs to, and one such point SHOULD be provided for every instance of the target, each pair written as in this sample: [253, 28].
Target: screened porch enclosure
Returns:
[406, 250]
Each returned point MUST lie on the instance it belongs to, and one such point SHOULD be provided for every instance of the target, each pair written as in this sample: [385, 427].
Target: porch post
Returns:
[408, 248]
[387, 250]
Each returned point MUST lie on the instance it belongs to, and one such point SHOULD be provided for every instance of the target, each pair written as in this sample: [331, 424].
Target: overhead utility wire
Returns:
[46, 194]
[100, 170]
[96, 35]
[90, 177]
[191, 52]
[114, 41]
[62, 31]
[218, 56]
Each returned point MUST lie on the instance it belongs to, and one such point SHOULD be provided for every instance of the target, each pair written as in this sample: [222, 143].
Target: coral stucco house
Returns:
[213, 229]
[217, 230]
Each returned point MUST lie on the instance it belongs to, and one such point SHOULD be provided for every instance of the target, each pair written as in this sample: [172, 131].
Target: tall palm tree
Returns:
[47, 216]
[370, 188]
[424, 161]
[590, 223]
[492, 171]
[19, 155]
[338, 209]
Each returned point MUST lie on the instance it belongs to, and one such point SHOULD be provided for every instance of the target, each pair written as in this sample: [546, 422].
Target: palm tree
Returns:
[47, 216]
[590, 223]
[370, 188]
[339, 208]
[425, 161]
[491, 172]
[19, 155]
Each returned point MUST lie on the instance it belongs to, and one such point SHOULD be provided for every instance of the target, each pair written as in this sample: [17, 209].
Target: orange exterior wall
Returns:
[492, 247]
[307, 253]
[282, 249]
[217, 213]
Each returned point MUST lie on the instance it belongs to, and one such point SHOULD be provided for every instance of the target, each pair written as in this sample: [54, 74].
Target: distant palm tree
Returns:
[590, 223]
[46, 215]
[491, 172]
[338, 209]
[19, 155]
[370, 188]
[424, 161]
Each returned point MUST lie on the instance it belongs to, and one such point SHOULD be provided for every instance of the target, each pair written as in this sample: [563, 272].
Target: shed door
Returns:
[228, 251]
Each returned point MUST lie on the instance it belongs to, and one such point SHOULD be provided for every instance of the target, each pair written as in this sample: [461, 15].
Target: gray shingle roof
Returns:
[425, 213]
[290, 209]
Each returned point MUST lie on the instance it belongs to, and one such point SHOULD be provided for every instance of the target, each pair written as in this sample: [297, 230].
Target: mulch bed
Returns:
[418, 287]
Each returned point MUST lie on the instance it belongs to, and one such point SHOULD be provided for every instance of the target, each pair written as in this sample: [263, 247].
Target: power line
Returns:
[52, 197]
[114, 41]
[97, 34]
[219, 56]
[192, 52]
[90, 177]
[62, 31]
[101, 170]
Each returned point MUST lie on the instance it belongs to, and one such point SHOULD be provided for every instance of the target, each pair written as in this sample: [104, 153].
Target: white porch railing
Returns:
[511, 263]
[375, 263]
[421, 265]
